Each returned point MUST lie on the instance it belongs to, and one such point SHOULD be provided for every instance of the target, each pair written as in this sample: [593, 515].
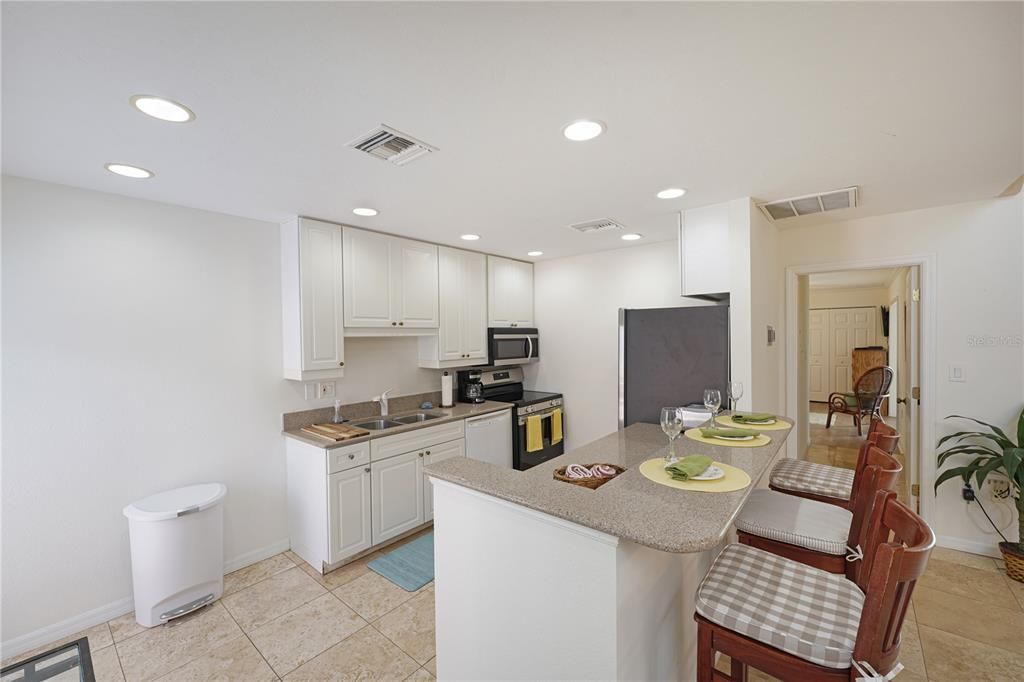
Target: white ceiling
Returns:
[919, 104]
[852, 278]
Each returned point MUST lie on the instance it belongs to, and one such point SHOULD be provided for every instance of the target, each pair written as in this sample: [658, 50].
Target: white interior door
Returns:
[895, 339]
[849, 328]
[913, 337]
[817, 355]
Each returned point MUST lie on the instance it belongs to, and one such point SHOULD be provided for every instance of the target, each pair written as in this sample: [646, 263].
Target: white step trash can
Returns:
[177, 540]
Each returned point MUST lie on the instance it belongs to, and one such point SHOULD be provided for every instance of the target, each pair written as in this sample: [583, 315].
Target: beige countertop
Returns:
[630, 506]
[446, 414]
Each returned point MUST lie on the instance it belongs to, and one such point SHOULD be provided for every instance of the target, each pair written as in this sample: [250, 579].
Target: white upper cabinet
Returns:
[390, 283]
[509, 293]
[462, 290]
[312, 300]
[704, 254]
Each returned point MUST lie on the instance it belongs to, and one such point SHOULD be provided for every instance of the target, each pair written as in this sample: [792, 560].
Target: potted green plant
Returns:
[991, 452]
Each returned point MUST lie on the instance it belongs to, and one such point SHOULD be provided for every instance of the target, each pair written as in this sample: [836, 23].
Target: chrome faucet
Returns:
[383, 400]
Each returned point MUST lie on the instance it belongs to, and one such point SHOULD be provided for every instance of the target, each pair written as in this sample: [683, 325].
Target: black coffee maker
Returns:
[471, 389]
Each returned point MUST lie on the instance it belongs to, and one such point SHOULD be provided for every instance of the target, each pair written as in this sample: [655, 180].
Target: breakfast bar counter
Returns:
[541, 579]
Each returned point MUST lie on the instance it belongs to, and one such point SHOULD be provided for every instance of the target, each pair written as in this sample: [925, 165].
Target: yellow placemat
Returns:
[734, 479]
[727, 421]
[756, 442]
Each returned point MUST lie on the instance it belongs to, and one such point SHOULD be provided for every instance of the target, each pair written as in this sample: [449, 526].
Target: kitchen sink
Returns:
[418, 417]
[377, 424]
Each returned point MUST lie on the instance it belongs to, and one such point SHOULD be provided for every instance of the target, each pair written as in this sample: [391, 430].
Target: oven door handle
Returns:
[542, 415]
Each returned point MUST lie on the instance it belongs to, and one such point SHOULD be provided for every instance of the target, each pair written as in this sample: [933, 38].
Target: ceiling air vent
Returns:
[810, 203]
[602, 225]
[391, 145]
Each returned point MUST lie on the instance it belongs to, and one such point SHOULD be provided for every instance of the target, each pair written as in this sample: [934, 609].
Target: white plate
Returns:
[735, 438]
[712, 473]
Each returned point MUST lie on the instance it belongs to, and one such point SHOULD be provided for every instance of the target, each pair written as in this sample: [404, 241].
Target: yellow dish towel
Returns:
[534, 433]
[556, 426]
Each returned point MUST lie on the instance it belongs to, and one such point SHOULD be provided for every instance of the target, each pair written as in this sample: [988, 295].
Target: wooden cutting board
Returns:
[334, 432]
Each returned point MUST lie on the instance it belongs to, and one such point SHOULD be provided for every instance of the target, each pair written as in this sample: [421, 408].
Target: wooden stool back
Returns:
[880, 473]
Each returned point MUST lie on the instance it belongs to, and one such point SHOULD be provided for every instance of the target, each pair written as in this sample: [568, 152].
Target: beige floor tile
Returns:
[160, 650]
[951, 657]
[910, 654]
[303, 634]
[98, 635]
[366, 655]
[372, 596]
[343, 575]
[411, 627]
[1016, 586]
[431, 666]
[976, 584]
[995, 625]
[124, 627]
[106, 666]
[234, 661]
[421, 674]
[261, 570]
[266, 600]
[984, 563]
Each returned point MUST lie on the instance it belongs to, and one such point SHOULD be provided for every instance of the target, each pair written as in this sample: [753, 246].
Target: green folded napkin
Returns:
[727, 433]
[753, 418]
[688, 467]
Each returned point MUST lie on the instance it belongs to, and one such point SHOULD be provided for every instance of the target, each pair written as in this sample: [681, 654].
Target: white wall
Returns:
[767, 294]
[577, 304]
[978, 290]
[142, 351]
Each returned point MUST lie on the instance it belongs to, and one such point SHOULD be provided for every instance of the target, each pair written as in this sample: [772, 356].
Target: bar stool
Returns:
[825, 483]
[815, 533]
[800, 623]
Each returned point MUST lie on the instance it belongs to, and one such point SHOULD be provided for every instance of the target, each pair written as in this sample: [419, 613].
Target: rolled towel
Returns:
[577, 471]
[728, 433]
[754, 418]
[688, 467]
[603, 471]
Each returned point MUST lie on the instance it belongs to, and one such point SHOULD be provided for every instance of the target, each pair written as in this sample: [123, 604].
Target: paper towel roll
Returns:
[446, 390]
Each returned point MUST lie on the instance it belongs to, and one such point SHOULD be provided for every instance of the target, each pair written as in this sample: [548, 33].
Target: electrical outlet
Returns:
[998, 487]
[325, 389]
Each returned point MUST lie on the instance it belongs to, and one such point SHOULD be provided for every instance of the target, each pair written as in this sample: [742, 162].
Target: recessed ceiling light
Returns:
[471, 237]
[163, 109]
[671, 193]
[631, 237]
[535, 253]
[128, 171]
[367, 212]
[581, 131]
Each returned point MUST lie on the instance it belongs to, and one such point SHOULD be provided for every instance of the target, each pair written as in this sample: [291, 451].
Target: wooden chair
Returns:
[815, 533]
[826, 483]
[795, 622]
[866, 400]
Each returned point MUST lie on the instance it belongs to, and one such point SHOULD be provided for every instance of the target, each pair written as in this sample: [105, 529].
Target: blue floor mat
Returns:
[411, 566]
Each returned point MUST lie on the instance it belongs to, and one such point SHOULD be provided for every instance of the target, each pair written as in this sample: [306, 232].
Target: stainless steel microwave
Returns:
[512, 346]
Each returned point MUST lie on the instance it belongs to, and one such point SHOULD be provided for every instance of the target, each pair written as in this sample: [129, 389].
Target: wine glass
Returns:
[735, 392]
[712, 401]
[672, 425]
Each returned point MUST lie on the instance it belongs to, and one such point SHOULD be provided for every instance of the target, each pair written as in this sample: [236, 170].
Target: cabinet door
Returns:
[509, 293]
[438, 453]
[320, 277]
[396, 495]
[449, 290]
[414, 283]
[474, 305]
[368, 279]
[704, 250]
[348, 503]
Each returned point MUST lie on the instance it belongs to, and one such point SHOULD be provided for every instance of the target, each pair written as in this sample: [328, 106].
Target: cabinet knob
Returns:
[421, 454]
[428, 452]
[352, 456]
[394, 324]
[341, 364]
[401, 324]
[367, 469]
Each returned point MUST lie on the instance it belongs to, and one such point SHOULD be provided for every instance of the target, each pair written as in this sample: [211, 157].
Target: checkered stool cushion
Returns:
[805, 523]
[810, 477]
[798, 609]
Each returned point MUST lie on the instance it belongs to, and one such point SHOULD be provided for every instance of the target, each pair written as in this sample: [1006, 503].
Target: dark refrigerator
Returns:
[668, 356]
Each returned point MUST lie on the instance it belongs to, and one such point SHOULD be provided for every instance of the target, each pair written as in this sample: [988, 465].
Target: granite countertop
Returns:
[629, 506]
[446, 414]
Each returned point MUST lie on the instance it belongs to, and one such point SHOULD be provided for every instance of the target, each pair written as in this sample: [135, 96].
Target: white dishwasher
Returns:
[489, 438]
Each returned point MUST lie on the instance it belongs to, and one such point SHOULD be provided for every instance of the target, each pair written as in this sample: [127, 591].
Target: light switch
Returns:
[957, 374]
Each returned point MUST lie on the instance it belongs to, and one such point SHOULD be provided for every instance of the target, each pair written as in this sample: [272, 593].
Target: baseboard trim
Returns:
[116, 608]
[972, 546]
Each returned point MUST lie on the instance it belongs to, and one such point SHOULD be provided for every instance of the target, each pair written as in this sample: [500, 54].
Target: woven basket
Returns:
[1014, 560]
[593, 483]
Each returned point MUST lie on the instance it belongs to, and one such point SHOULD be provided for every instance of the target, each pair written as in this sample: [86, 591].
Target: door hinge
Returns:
[916, 295]
[915, 490]
[915, 392]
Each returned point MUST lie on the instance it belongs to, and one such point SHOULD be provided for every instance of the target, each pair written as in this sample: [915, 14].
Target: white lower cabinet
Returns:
[438, 453]
[396, 495]
[348, 504]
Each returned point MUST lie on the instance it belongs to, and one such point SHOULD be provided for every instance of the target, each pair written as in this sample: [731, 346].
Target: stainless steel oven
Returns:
[512, 345]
